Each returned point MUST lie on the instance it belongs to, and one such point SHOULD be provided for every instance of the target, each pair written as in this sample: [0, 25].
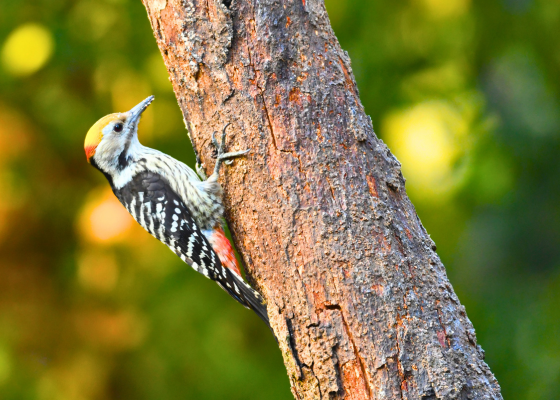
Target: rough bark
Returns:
[358, 298]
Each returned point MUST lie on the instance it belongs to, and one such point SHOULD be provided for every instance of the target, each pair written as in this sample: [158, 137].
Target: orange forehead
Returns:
[95, 133]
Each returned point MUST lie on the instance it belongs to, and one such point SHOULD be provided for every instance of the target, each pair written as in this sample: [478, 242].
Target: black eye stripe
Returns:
[118, 127]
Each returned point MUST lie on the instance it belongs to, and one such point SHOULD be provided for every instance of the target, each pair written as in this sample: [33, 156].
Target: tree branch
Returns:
[358, 298]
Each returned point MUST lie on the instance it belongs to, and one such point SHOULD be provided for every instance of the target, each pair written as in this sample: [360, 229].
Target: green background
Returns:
[464, 92]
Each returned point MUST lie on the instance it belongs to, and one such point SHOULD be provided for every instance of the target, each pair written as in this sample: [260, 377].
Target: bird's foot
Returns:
[220, 152]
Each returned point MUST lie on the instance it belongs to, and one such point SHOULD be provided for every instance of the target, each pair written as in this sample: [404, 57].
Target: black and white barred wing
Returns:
[155, 206]
[151, 201]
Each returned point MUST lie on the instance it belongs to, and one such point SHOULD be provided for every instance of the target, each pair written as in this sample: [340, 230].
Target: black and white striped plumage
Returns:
[167, 198]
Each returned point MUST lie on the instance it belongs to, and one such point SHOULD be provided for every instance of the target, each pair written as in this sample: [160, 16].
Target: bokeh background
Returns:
[466, 94]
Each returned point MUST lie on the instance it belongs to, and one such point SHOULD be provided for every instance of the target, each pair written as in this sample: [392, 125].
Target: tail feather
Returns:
[255, 302]
[240, 290]
[234, 283]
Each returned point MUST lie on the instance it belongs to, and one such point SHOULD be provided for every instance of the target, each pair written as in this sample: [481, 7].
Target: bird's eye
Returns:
[118, 127]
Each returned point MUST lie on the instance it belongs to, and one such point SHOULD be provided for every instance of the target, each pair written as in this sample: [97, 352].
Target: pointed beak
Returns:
[136, 112]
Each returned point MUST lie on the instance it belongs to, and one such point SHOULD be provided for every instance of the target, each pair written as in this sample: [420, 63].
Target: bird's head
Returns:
[109, 141]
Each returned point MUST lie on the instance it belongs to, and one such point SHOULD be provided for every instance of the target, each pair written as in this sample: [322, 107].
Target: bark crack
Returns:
[292, 344]
[354, 347]
[261, 90]
[330, 187]
[400, 369]
[442, 338]
[316, 378]
[265, 107]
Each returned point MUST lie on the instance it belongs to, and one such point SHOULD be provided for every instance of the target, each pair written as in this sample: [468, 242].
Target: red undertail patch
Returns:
[222, 247]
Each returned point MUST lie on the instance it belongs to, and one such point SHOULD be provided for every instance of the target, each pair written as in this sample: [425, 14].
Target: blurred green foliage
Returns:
[465, 93]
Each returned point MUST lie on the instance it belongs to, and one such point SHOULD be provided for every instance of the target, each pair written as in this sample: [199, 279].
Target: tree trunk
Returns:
[358, 298]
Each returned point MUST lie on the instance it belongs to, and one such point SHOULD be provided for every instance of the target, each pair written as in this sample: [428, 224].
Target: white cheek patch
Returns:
[109, 148]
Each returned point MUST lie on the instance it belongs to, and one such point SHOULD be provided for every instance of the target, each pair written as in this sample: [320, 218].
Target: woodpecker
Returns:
[170, 201]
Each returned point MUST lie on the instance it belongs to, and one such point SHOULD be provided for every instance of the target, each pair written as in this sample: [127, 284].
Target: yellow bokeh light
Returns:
[27, 49]
[104, 219]
[428, 139]
[446, 8]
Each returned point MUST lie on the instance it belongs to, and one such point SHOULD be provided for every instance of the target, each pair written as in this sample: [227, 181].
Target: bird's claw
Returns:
[219, 150]
[223, 144]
